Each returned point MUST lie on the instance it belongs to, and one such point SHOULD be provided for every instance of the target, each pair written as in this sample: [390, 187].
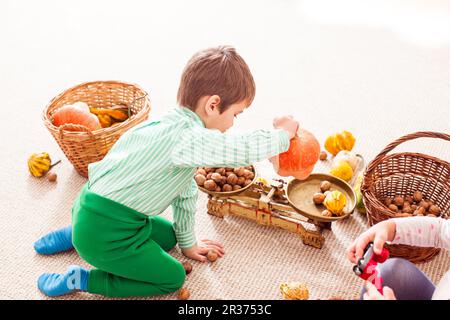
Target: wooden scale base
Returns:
[268, 205]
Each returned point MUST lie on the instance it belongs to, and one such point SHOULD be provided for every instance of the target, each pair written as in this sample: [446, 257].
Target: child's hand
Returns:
[286, 123]
[373, 294]
[199, 252]
[378, 234]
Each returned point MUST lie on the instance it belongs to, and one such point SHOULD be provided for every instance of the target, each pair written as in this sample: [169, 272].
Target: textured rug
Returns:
[257, 260]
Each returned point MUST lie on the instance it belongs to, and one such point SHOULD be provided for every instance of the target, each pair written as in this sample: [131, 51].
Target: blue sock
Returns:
[54, 242]
[53, 284]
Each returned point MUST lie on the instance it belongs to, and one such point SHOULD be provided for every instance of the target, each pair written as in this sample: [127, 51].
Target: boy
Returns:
[116, 227]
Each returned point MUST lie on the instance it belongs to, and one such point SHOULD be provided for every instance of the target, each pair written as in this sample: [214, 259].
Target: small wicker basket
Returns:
[83, 146]
[402, 174]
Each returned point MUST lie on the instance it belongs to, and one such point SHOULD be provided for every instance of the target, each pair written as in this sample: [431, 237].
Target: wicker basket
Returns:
[83, 147]
[402, 174]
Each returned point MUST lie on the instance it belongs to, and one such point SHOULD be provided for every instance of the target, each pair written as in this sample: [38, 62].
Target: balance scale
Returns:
[286, 205]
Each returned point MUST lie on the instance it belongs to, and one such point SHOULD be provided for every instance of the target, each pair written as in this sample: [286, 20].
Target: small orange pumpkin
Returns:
[77, 113]
[301, 157]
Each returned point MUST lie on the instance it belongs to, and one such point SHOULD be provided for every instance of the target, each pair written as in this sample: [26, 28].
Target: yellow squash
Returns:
[352, 159]
[39, 164]
[109, 117]
[342, 170]
[340, 141]
[117, 114]
[294, 291]
[105, 120]
[335, 202]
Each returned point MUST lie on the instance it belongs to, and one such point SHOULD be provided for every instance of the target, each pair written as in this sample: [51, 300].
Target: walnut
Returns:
[327, 213]
[393, 207]
[200, 179]
[388, 201]
[398, 201]
[217, 177]
[248, 174]
[407, 209]
[417, 196]
[51, 176]
[227, 188]
[434, 209]
[419, 211]
[239, 171]
[221, 171]
[184, 294]
[210, 185]
[212, 255]
[187, 267]
[323, 156]
[325, 186]
[318, 198]
[201, 171]
[232, 179]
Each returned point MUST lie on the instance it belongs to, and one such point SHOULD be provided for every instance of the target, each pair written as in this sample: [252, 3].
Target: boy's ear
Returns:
[212, 105]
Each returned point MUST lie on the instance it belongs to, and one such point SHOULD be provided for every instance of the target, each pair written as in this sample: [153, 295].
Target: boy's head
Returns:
[216, 84]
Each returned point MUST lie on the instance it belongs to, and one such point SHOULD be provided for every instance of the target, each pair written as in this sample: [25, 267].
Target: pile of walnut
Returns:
[224, 179]
[412, 205]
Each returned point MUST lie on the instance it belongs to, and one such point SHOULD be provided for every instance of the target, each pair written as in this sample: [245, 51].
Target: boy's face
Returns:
[213, 119]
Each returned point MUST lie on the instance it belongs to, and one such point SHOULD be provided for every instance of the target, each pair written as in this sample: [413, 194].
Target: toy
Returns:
[366, 268]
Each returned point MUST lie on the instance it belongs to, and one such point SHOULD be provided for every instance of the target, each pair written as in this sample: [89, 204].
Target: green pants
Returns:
[128, 248]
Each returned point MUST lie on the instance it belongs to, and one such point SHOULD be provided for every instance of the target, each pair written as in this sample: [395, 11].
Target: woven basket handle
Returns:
[71, 127]
[411, 136]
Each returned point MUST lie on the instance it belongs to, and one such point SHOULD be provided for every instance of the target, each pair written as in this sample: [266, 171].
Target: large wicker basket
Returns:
[402, 174]
[83, 146]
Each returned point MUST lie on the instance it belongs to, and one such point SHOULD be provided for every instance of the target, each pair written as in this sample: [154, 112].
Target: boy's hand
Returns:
[199, 251]
[378, 234]
[286, 123]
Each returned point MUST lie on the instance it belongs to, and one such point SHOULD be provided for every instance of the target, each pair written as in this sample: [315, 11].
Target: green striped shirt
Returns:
[153, 164]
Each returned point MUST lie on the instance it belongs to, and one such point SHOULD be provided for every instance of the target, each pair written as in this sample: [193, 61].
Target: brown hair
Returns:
[216, 71]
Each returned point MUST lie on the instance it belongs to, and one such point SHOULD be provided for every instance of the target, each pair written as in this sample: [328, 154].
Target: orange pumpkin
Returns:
[301, 157]
[77, 113]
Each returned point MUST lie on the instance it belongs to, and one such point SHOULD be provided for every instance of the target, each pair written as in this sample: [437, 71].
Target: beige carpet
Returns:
[331, 67]
[258, 259]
